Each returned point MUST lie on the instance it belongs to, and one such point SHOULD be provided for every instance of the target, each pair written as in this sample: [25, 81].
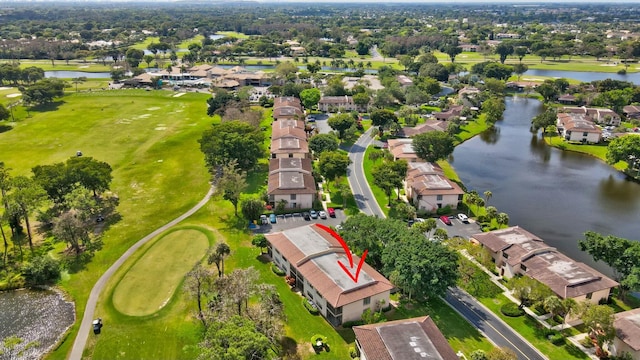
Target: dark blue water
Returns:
[557, 195]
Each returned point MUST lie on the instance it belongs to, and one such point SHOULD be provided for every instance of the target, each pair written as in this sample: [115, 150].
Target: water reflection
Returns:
[539, 147]
[38, 317]
[491, 135]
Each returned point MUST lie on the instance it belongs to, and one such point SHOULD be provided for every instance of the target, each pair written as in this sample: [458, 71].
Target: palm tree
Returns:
[502, 219]
[78, 80]
[487, 196]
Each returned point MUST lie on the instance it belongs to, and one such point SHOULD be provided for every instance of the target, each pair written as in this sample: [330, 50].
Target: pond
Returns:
[583, 76]
[555, 194]
[67, 74]
[38, 317]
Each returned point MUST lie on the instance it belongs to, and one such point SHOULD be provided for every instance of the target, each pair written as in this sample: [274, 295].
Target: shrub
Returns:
[586, 342]
[353, 352]
[557, 339]
[276, 270]
[350, 324]
[42, 270]
[444, 210]
[511, 310]
[310, 307]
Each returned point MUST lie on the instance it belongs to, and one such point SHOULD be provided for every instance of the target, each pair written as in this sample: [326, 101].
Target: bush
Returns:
[511, 310]
[350, 324]
[42, 270]
[557, 339]
[353, 352]
[586, 342]
[444, 210]
[310, 307]
[276, 270]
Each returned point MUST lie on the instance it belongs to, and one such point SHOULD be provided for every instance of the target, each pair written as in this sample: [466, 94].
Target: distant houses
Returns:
[334, 103]
[519, 252]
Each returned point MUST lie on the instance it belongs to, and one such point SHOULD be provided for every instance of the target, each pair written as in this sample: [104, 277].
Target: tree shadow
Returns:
[264, 258]
[5, 128]
[52, 106]
[289, 348]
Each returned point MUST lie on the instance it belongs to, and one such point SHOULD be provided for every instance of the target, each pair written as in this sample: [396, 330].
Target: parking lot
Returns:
[289, 221]
[458, 228]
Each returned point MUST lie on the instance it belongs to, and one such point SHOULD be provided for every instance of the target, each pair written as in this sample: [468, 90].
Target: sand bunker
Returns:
[14, 95]
[178, 94]
[153, 108]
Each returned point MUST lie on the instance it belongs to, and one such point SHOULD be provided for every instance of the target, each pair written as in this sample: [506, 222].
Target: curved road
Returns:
[496, 330]
[355, 174]
[87, 319]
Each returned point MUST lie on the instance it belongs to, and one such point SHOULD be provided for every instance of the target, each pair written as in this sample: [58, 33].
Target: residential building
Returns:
[567, 99]
[310, 254]
[334, 103]
[597, 115]
[279, 130]
[287, 107]
[576, 127]
[519, 252]
[469, 47]
[404, 81]
[631, 111]
[408, 339]
[403, 149]
[627, 325]
[429, 189]
[429, 125]
[452, 112]
[289, 146]
[291, 180]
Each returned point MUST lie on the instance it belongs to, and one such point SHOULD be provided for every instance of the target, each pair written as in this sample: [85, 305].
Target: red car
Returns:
[332, 212]
[445, 219]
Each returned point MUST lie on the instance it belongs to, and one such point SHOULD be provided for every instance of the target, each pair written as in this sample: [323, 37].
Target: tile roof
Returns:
[627, 325]
[290, 176]
[430, 125]
[283, 123]
[336, 100]
[402, 148]
[289, 144]
[565, 276]
[577, 122]
[287, 131]
[315, 255]
[286, 101]
[428, 179]
[408, 339]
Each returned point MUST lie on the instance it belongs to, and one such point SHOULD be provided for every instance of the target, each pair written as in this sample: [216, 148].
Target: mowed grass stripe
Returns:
[153, 279]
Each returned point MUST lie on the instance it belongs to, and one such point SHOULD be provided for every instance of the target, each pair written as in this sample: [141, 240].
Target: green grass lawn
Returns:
[461, 335]
[73, 65]
[530, 329]
[597, 150]
[145, 44]
[151, 282]
[233, 34]
[150, 140]
[337, 200]
[194, 40]
[471, 129]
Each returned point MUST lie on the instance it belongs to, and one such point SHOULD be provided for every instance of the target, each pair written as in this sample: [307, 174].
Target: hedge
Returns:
[511, 310]
[276, 270]
[311, 308]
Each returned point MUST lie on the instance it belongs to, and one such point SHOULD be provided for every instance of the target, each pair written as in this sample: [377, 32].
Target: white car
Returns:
[322, 214]
[463, 218]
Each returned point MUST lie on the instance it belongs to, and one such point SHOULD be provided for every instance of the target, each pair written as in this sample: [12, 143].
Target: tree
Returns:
[252, 208]
[217, 256]
[421, 268]
[452, 51]
[627, 149]
[520, 69]
[233, 339]
[42, 270]
[487, 195]
[361, 99]
[504, 49]
[260, 241]
[435, 71]
[405, 211]
[547, 90]
[148, 59]
[333, 164]
[43, 91]
[553, 305]
[544, 120]
[229, 141]
[231, 184]
[54, 179]
[384, 178]
[78, 80]
[341, 122]
[117, 74]
[70, 228]
[197, 282]
[310, 97]
[599, 320]
[494, 86]
[28, 195]
[383, 118]
[528, 290]
[478, 355]
[520, 52]
[502, 219]
[433, 146]
[91, 174]
[323, 142]
[493, 108]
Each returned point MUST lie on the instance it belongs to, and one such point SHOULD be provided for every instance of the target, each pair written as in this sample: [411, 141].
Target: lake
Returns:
[583, 76]
[40, 316]
[66, 74]
[555, 194]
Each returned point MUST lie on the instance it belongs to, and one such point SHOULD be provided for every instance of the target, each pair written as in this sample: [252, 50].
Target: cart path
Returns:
[85, 325]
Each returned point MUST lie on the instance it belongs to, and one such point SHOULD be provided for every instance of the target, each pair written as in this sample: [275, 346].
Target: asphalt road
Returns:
[493, 328]
[89, 310]
[355, 174]
[496, 330]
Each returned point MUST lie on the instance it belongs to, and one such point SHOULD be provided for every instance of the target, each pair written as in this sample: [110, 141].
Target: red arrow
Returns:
[348, 252]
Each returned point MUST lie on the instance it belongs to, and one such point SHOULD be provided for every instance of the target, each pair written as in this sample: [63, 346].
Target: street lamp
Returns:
[460, 354]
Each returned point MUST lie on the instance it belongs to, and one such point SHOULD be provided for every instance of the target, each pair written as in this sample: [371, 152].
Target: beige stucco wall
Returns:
[430, 203]
[354, 310]
[621, 347]
[303, 201]
[576, 135]
[299, 155]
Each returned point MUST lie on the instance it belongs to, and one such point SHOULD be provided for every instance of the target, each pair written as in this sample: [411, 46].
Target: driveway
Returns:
[322, 123]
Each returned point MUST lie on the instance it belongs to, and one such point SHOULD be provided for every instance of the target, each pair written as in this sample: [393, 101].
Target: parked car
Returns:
[332, 212]
[322, 214]
[445, 219]
[306, 216]
[463, 218]
[272, 218]
[263, 219]
[313, 214]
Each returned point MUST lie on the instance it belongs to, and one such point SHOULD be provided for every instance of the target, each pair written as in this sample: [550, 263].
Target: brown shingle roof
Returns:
[402, 148]
[409, 339]
[286, 101]
[287, 131]
[577, 122]
[289, 144]
[283, 123]
[430, 125]
[290, 176]
[627, 325]
[314, 253]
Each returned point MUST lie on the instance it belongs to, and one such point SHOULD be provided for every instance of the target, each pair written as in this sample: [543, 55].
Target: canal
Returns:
[557, 195]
